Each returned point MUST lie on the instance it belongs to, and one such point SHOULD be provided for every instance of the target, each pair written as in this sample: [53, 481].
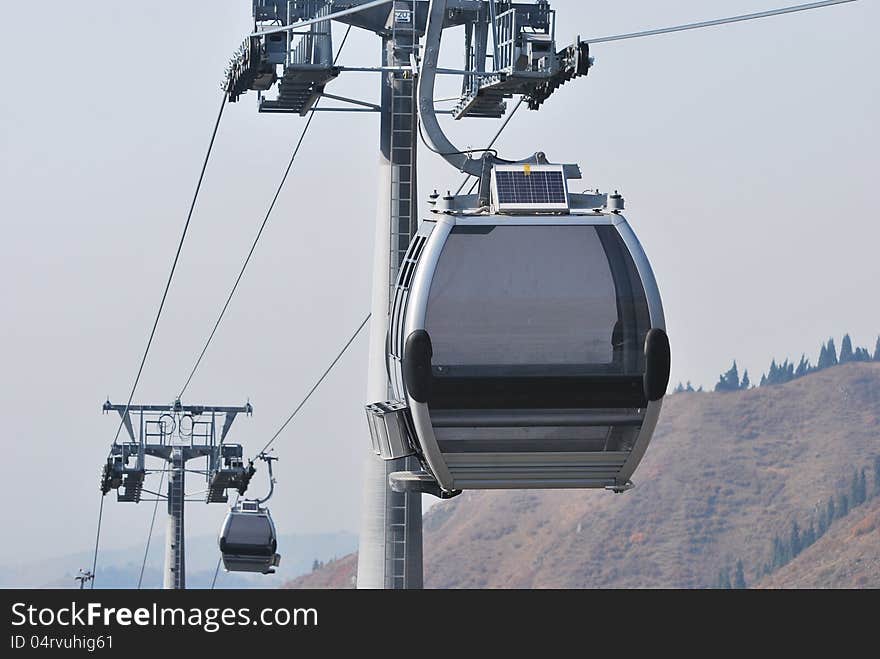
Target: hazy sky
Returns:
[748, 156]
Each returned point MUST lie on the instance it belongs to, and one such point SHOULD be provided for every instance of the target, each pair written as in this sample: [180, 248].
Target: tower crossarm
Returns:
[191, 409]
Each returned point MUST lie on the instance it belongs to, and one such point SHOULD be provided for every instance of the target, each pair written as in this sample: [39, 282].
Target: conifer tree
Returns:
[803, 367]
[724, 579]
[729, 381]
[795, 541]
[780, 373]
[809, 535]
[832, 353]
[823, 523]
[824, 361]
[773, 373]
[877, 476]
[779, 553]
[843, 507]
[877, 350]
[746, 383]
[846, 350]
[854, 489]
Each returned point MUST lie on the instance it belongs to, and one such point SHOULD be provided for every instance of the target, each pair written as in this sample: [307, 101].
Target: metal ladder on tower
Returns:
[403, 127]
[175, 509]
[397, 544]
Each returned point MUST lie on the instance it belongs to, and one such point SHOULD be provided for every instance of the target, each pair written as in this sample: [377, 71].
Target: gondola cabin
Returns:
[527, 344]
[248, 541]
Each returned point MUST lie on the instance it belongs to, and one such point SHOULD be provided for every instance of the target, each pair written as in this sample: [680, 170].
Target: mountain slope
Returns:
[337, 574]
[848, 556]
[724, 474]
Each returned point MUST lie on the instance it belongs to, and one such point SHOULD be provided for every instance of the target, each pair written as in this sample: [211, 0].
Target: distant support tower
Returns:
[175, 434]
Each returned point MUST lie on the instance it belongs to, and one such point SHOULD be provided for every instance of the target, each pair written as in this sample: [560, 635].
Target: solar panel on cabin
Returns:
[536, 187]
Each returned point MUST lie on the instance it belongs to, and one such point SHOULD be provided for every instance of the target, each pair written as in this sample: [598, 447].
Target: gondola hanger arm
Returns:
[427, 74]
[268, 459]
[429, 126]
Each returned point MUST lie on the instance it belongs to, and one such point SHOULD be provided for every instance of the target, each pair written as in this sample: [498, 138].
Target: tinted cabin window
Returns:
[249, 531]
[510, 301]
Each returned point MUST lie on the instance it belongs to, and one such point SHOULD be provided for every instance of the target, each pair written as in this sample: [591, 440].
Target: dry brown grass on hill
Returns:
[723, 476]
[848, 556]
[334, 575]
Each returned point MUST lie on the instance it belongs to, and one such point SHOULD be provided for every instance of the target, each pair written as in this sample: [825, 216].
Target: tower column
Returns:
[175, 562]
[390, 553]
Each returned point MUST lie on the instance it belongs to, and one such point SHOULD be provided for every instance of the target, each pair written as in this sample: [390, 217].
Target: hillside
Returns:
[848, 556]
[725, 474]
[341, 573]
